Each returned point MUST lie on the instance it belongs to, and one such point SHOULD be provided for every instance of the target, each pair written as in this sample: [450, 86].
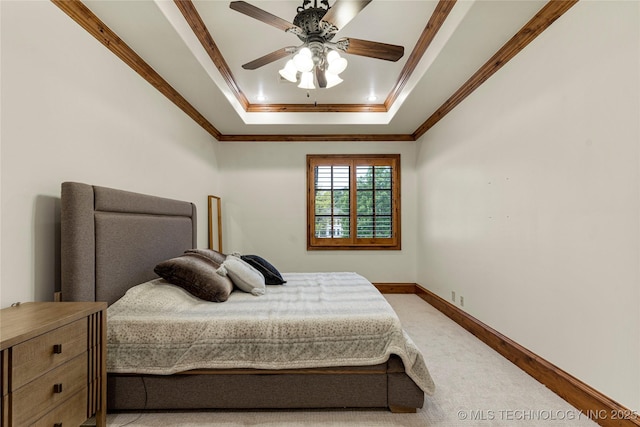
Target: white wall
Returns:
[529, 199]
[72, 111]
[264, 208]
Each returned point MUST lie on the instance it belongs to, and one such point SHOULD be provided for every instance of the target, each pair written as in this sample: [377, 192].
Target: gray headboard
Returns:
[112, 239]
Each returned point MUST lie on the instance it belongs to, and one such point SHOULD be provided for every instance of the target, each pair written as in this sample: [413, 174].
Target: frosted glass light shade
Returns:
[304, 60]
[337, 65]
[306, 80]
[305, 51]
[289, 71]
[332, 55]
[332, 79]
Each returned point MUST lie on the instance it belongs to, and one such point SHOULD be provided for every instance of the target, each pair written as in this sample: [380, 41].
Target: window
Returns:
[353, 201]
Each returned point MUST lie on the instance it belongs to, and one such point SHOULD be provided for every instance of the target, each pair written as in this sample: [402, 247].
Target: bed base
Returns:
[379, 386]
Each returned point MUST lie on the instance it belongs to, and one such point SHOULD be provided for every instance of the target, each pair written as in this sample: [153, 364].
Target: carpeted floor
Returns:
[475, 387]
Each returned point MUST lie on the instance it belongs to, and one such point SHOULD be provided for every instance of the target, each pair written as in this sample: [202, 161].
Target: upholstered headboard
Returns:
[112, 239]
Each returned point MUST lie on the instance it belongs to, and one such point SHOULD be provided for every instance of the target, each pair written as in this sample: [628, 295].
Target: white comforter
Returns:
[314, 320]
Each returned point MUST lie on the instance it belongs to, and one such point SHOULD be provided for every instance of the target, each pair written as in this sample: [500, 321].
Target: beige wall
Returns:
[72, 111]
[264, 206]
[529, 199]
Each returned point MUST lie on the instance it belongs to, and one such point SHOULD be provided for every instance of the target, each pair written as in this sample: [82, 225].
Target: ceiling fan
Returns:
[316, 26]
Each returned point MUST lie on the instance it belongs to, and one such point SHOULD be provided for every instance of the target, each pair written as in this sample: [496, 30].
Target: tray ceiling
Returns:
[193, 52]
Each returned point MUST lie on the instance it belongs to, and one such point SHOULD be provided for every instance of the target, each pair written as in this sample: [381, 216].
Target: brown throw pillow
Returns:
[212, 254]
[196, 274]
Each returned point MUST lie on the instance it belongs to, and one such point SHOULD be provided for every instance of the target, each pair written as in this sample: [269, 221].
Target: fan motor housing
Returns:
[310, 21]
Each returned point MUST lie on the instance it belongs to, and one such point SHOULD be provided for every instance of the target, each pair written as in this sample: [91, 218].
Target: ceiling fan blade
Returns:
[344, 11]
[388, 52]
[321, 78]
[268, 58]
[262, 15]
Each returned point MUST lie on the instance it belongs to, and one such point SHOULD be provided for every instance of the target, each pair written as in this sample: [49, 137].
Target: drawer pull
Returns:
[57, 388]
[57, 348]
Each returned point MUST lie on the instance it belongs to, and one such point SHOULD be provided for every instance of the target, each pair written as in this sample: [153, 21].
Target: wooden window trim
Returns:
[352, 243]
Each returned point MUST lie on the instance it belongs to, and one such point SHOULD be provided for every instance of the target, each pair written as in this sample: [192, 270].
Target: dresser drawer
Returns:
[51, 389]
[43, 353]
[52, 364]
[71, 413]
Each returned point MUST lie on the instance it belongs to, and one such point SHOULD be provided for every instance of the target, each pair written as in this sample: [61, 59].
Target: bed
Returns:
[111, 241]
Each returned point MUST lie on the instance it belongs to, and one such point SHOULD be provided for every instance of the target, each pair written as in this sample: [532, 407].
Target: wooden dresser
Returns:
[53, 364]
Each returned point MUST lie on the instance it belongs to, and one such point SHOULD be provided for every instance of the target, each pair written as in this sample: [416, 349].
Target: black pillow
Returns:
[271, 274]
[197, 275]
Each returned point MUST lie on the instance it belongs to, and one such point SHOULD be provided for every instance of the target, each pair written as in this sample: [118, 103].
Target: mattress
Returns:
[314, 320]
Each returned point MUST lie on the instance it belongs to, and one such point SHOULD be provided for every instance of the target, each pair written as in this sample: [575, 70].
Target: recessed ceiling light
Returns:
[261, 98]
[371, 98]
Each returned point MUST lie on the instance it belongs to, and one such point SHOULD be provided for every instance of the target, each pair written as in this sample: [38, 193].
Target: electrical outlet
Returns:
[453, 296]
[461, 301]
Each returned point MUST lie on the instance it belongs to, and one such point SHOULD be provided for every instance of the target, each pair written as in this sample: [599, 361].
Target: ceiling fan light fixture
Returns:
[289, 72]
[316, 25]
[306, 80]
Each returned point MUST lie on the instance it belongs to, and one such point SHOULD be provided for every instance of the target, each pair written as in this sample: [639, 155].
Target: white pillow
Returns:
[243, 275]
